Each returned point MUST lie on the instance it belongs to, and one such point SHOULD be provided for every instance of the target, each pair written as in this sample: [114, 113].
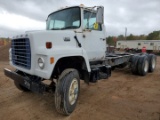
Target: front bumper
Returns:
[35, 86]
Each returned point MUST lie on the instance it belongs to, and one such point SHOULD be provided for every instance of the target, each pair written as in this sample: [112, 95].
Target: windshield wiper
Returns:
[69, 27]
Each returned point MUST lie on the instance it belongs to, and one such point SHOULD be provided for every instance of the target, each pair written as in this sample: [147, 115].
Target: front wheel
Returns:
[20, 87]
[67, 91]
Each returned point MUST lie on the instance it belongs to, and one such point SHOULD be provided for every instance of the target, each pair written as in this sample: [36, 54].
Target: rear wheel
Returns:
[67, 91]
[134, 64]
[143, 65]
[152, 62]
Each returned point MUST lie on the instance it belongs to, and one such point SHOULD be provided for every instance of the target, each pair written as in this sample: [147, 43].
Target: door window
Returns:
[89, 20]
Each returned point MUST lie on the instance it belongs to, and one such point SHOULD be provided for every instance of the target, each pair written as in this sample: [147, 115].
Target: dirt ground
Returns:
[121, 97]
[4, 52]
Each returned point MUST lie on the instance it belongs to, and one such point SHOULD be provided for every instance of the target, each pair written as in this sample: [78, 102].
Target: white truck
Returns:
[72, 48]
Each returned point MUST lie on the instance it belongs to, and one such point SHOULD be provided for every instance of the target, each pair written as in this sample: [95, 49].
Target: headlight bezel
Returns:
[41, 63]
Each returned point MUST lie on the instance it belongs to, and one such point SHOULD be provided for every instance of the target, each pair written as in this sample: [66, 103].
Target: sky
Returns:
[138, 16]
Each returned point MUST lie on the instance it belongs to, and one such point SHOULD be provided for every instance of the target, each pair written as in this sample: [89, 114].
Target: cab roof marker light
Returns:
[81, 5]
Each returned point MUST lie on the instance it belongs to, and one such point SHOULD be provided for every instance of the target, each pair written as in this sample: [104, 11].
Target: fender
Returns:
[58, 53]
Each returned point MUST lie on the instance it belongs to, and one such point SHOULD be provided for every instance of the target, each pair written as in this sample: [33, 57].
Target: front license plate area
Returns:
[36, 87]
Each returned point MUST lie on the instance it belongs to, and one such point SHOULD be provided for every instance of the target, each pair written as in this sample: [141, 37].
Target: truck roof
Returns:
[81, 6]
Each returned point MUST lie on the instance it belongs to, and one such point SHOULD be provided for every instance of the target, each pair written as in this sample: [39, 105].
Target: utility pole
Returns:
[125, 33]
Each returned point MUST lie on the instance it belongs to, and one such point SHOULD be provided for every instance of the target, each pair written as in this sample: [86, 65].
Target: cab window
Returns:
[89, 20]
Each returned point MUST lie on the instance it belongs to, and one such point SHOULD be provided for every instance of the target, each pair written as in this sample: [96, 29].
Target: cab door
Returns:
[94, 39]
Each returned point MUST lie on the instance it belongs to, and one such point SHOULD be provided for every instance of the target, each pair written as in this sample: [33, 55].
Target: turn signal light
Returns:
[51, 60]
[48, 45]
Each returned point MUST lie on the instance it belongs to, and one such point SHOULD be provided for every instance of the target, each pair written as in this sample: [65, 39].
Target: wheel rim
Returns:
[146, 66]
[153, 63]
[73, 91]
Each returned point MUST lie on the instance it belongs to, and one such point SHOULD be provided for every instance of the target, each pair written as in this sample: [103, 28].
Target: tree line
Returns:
[4, 41]
[155, 35]
[2, 38]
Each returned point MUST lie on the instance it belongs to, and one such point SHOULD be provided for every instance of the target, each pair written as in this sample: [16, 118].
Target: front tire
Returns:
[67, 91]
[20, 87]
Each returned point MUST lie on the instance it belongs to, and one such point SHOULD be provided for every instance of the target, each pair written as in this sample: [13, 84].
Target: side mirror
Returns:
[99, 15]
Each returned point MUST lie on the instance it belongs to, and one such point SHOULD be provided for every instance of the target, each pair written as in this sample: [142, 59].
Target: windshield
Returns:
[64, 19]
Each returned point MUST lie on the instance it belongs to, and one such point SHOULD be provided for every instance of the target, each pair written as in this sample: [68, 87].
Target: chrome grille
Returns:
[21, 52]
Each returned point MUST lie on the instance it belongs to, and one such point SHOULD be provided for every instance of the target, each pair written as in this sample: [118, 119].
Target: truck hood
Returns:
[57, 37]
[63, 44]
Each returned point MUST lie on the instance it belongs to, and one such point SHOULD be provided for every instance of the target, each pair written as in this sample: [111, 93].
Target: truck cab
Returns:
[72, 48]
[82, 21]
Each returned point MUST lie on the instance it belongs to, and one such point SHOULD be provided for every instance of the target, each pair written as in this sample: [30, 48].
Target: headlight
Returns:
[41, 63]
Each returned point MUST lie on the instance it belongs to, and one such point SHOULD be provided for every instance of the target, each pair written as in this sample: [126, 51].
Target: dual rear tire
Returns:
[152, 62]
[143, 64]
